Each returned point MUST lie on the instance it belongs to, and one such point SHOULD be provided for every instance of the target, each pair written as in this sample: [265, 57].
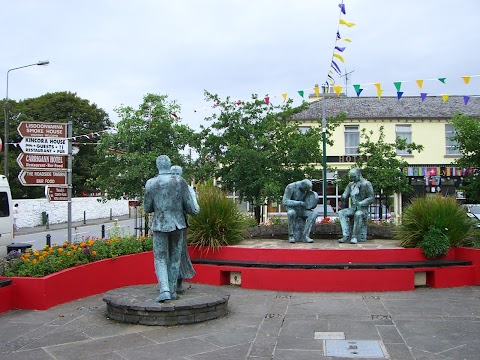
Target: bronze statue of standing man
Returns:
[169, 197]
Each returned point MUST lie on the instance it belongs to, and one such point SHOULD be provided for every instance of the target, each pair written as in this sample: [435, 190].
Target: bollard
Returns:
[84, 217]
[49, 240]
[48, 223]
[103, 231]
[110, 213]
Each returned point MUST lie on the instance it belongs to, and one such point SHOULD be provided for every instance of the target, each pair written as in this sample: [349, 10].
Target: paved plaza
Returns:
[424, 324]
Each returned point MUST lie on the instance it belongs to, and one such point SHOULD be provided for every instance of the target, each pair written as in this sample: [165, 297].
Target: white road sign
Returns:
[44, 145]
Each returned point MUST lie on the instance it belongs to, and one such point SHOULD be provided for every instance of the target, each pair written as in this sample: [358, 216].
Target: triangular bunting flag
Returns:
[445, 97]
[336, 68]
[466, 79]
[442, 80]
[316, 89]
[356, 87]
[399, 94]
[349, 24]
[267, 100]
[284, 97]
[342, 8]
[379, 93]
[398, 85]
[347, 40]
[466, 99]
[419, 83]
[359, 91]
[338, 89]
[338, 35]
[340, 48]
[423, 96]
[175, 116]
[377, 85]
[338, 57]
[301, 93]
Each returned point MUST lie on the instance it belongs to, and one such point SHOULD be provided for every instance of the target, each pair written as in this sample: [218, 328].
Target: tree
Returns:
[381, 165]
[255, 148]
[59, 107]
[127, 157]
[467, 135]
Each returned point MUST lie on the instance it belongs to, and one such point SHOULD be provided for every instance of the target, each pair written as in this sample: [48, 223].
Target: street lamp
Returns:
[5, 113]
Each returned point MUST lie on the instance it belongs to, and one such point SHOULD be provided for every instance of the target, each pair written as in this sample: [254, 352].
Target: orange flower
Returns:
[94, 252]
[44, 253]
[69, 253]
[90, 242]
[41, 258]
[82, 244]
[27, 255]
[34, 261]
[36, 253]
[60, 250]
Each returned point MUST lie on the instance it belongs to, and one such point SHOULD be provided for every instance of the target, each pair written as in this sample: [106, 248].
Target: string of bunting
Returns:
[339, 40]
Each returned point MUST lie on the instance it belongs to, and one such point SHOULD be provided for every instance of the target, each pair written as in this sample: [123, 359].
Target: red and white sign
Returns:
[42, 129]
[54, 193]
[41, 161]
[42, 177]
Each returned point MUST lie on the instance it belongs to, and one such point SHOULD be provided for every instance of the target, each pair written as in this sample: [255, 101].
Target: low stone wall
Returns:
[318, 231]
[30, 210]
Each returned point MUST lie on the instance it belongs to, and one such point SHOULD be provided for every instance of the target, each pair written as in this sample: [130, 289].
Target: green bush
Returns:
[435, 243]
[219, 222]
[443, 213]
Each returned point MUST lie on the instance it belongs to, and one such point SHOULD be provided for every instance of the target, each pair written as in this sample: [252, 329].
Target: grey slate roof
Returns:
[410, 107]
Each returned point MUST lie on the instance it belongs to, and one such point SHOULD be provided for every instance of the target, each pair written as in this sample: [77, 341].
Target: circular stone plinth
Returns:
[137, 305]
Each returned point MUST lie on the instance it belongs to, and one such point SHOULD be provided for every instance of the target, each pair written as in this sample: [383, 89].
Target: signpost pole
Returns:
[69, 180]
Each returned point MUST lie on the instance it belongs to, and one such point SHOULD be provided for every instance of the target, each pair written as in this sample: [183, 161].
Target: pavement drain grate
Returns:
[355, 349]
[365, 297]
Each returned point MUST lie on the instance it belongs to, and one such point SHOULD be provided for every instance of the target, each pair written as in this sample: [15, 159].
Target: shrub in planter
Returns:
[435, 243]
[444, 213]
[219, 222]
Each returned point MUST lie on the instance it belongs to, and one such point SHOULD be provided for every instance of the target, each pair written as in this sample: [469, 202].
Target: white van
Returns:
[6, 216]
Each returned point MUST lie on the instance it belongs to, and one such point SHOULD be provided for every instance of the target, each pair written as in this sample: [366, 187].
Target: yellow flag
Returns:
[445, 97]
[349, 24]
[379, 93]
[419, 83]
[378, 85]
[316, 88]
[338, 89]
[466, 79]
[347, 40]
[338, 57]
[284, 97]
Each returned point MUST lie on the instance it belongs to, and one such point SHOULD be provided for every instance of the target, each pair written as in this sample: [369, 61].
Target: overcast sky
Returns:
[113, 52]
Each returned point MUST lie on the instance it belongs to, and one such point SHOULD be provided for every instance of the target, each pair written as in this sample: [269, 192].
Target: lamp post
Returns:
[5, 113]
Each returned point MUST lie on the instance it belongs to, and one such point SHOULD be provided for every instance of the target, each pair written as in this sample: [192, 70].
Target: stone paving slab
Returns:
[424, 324]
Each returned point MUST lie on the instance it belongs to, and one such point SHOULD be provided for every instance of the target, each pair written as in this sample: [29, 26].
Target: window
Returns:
[4, 208]
[451, 145]
[304, 129]
[404, 132]
[352, 139]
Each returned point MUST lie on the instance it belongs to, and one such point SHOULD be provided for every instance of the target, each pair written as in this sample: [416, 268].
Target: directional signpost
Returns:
[42, 177]
[46, 150]
[37, 161]
[56, 193]
[42, 129]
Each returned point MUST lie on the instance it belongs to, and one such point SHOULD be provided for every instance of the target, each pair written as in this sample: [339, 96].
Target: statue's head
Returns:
[355, 175]
[163, 164]
[305, 185]
[176, 170]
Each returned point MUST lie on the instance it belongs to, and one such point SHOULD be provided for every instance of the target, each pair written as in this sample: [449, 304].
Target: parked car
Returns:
[331, 214]
[473, 212]
[375, 213]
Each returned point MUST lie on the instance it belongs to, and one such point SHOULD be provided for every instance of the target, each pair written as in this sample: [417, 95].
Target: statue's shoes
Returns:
[353, 241]
[164, 295]
[291, 240]
[342, 240]
[308, 240]
[180, 288]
